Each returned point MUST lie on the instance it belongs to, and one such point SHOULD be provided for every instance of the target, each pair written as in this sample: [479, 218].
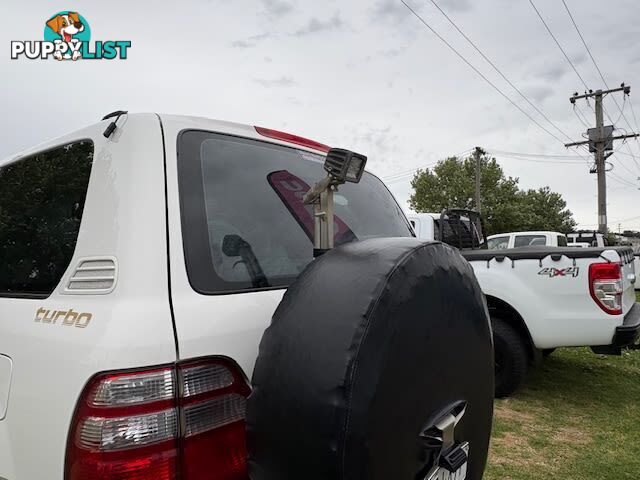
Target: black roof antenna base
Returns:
[112, 126]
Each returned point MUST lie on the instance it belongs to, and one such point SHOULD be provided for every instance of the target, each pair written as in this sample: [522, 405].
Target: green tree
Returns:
[451, 184]
[545, 210]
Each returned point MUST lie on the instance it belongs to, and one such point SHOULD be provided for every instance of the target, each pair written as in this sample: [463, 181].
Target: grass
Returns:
[577, 417]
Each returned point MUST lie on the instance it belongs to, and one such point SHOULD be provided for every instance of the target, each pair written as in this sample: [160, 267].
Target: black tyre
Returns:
[511, 358]
[547, 351]
[376, 350]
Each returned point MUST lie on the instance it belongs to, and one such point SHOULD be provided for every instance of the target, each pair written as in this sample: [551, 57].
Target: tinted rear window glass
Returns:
[529, 240]
[562, 241]
[41, 202]
[498, 243]
[244, 224]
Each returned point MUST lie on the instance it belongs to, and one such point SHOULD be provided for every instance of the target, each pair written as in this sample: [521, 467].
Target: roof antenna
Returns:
[112, 126]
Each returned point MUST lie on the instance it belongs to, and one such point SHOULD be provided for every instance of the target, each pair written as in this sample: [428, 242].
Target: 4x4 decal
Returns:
[560, 272]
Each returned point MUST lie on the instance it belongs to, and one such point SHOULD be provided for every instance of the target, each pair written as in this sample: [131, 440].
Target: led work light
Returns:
[341, 166]
[344, 165]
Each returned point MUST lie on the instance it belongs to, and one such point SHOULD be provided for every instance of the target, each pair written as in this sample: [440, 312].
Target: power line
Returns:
[621, 180]
[482, 54]
[516, 157]
[583, 118]
[633, 157]
[399, 175]
[558, 44]
[625, 167]
[635, 120]
[624, 102]
[565, 54]
[594, 62]
[535, 155]
[424, 22]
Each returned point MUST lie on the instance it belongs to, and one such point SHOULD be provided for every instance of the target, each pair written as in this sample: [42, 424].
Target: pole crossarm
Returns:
[617, 137]
[623, 88]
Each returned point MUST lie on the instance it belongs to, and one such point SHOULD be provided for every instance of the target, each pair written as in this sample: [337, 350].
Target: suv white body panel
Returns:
[229, 325]
[130, 327]
[152, 317]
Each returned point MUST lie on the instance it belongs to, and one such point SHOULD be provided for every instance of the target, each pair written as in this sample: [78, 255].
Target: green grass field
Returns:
[577, 417]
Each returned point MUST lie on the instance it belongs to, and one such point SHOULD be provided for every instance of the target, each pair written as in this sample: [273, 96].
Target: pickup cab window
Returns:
[529, 240]
[244, 224]
[562, 241]
[498, 243]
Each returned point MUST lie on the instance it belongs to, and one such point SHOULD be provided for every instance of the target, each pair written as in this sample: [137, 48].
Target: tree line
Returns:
[505, 207]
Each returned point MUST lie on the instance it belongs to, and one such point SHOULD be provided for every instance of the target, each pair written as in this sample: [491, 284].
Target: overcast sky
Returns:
[364, 75]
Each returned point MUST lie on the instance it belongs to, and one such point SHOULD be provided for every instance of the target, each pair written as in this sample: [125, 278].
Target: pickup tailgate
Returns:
[628, 278]
[549, 287]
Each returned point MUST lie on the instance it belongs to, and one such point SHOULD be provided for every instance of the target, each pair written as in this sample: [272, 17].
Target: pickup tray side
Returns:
[538, 253]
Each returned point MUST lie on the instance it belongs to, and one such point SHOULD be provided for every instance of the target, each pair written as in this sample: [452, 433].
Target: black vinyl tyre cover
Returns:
[371, 345]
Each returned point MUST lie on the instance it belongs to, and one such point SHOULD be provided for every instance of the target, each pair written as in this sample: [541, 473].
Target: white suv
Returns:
[127, 330]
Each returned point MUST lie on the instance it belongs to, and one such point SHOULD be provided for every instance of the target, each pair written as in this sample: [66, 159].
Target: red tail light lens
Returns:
[184, 421]
[288, 137]
[605, 285]
[213, 411]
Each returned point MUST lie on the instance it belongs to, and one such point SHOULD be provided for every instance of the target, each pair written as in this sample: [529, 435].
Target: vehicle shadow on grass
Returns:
[576, 417]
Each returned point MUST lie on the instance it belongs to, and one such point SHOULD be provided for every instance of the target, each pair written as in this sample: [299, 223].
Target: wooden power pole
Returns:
[477, 154]
[601, 145]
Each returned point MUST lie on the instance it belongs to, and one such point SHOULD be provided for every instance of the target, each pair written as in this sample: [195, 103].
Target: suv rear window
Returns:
[244, 225]
[41, 202]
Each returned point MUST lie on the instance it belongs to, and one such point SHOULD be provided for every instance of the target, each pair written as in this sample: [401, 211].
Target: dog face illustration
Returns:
[66, 25]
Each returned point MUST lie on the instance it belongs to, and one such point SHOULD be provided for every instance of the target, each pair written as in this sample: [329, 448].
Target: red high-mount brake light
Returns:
[164, 423]
[605, 286]
[288, 137]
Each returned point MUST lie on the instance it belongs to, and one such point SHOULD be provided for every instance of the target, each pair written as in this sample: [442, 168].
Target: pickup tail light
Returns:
[183, 421]
[605, 286]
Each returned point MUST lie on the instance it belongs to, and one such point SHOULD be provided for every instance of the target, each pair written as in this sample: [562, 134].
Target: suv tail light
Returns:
[182, 421]
[605, 286]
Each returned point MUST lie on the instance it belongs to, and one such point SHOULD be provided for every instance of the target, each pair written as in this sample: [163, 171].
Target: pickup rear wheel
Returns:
[511, 358]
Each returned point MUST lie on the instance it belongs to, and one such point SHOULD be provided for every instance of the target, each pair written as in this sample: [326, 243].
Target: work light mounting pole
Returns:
[341, 166]
[321, 197]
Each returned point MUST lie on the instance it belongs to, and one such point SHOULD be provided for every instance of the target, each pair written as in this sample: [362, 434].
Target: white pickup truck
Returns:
[526, 239]
[541, 298]
[142, 258]
[586, 239]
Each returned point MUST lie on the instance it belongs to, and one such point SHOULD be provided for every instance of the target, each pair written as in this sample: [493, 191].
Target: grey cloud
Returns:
[277, 8]
[392, 10]
[552, 71]
[392, 52]
[382, 141]
[455, 5]
[250, 42]
[275, 82]
[578, 58]
[539, 93]
[315, 25]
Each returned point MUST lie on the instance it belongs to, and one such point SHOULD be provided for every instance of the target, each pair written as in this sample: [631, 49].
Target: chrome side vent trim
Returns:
[95, 276]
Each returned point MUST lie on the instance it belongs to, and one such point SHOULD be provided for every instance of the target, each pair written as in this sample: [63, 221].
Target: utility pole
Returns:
[600, 142]
[478, 156]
